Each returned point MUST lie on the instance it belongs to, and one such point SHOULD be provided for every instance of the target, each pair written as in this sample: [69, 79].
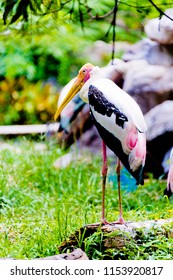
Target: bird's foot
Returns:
[94, 225]
[103, 222]
[120, 221]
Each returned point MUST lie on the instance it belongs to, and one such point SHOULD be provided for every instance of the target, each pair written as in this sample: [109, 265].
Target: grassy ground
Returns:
[40, 206]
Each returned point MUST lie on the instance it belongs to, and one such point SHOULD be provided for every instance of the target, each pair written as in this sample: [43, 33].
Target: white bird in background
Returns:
[169, 189]
[119, 121]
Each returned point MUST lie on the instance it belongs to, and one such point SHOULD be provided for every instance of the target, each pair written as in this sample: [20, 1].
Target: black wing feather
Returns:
[104, 107]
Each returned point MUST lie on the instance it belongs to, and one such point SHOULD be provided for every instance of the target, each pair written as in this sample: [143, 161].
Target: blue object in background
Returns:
[128, 183]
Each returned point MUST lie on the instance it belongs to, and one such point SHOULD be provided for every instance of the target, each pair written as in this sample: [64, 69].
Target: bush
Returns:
[22, 102]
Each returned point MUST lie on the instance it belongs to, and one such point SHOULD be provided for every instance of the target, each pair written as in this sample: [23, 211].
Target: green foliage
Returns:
[93, 14]
[32, 71]
[39, 56]
[80, 11]
[43, 40]
[41, 206]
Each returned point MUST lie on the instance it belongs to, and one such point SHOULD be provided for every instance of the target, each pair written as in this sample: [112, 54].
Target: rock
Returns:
[76, 254]
[64, 161]
[10, 147]
[148, 84]
[159, 120]
[115, 236]
[112, 71]
[101, 51]
[161, 30]
[98, 51]
[159, 137]
[150, 51]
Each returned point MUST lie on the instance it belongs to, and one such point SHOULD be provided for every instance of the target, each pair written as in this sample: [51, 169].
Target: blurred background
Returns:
[44, 43]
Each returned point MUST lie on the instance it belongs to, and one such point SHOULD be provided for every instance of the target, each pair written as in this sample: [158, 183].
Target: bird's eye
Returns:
[84, 71]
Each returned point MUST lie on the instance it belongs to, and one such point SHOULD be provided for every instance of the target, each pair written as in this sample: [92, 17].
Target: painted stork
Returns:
[118, 119]
[169, 189]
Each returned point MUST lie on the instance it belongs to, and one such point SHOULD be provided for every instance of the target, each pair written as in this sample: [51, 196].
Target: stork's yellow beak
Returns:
[77, 85]
[82, 77]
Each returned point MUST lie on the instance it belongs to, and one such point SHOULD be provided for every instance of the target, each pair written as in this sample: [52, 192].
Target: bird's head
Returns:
[82, 77]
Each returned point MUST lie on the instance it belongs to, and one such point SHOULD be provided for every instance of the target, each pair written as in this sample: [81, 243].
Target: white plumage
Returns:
[126, 105]
[118, 119]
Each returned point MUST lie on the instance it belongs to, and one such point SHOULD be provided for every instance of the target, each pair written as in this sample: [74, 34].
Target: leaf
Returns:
[21, 10]
[8, 8]
[36, 5]
[32, 7]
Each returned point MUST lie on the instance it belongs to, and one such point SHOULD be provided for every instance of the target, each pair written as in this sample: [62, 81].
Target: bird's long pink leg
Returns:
[118, 171]
[104, 175]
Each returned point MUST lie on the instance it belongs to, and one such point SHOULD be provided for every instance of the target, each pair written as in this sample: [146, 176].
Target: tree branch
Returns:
[159, 10]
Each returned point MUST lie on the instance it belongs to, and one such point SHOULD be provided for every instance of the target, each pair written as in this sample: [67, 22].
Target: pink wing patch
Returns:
[138, 154]
[130, 140]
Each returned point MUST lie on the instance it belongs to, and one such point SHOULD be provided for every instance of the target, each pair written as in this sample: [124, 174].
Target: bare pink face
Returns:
[84, 72]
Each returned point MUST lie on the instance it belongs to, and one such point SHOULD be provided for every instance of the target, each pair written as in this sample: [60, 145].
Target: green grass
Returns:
[40, 206]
